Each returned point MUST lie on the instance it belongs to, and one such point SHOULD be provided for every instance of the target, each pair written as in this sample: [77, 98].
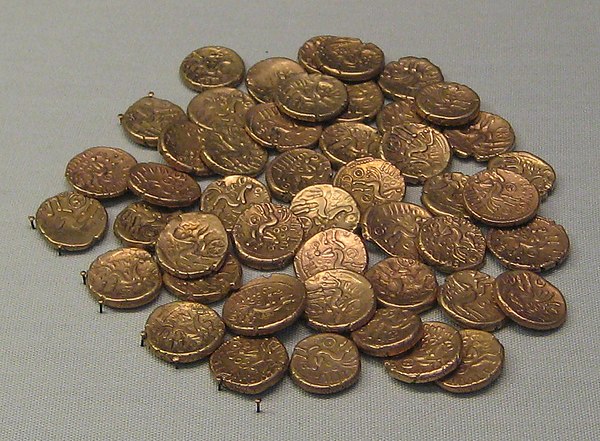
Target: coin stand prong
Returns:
[151, 94]
[101, 305]
[176, 362]
[120, 116]
[59, 250]
[220, 385]
[32, 222]
[142, 338]
[83, 275]
[257, 401]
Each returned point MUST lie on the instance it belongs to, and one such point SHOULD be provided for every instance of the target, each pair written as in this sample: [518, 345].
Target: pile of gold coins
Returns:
[340, 182]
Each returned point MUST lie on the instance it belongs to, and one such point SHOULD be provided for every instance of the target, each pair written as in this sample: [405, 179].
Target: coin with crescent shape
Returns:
[140, 223]
[443, 195]
[398, 113]
[404, 77]
[365, 100]
[447, 104]
[210, 67]
[219, 107]
[350, 59]
[343, 142]
[264, 77]
[307, 54]
[180, 144]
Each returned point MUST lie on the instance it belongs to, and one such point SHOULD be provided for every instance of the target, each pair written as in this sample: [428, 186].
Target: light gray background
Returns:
[67, 70]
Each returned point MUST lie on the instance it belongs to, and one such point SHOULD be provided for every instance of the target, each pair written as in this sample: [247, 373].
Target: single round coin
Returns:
[307, 54]
[180, 144]
[365, 100]
[264, 77]
[404, 77]
[219, 107]
[397, 113]
[443, 195]
[140, 223]
[343, 142]
[350, 59]
[210, 67]
[447, 104]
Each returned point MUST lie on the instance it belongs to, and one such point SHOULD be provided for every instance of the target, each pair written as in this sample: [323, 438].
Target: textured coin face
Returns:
[249, 365]
[447, 104]
[192, 245]
[71, 221]
[180, 145]
[264, 77]
[338, 300]
[530, 301]
[140, 223]
[343, 142]
[350, 59]
[222, 106]
[307, 54]
[124, 278]
[398, 113]
[405, 77]
[469, 298]
[183, 332]
[210, 67]
[500, 198]
[443, 195]
[365, 100]
[162, 185]
[403, 283]
[436, 355]
[265, 305]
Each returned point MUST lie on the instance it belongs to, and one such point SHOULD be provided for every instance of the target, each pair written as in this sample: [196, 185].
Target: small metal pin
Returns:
[151, 94]
[31, 221]
[101, 304]
[59, 249]
[176, 362]
[220, 385]
[257, 401]
[83, 275]
[142, 338]
[120, 116]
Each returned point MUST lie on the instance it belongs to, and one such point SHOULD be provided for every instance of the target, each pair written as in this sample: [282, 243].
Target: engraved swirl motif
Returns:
[535, 170]
[148, 116]
[265, 76]
[140, 223]
[443, 195]
[404, 77]
[219, 107]
[398, 113]
[343, 142]
[365, 100]
[161, 184]
[213, 66]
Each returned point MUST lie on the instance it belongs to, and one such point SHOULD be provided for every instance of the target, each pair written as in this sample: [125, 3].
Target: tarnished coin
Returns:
[293, 171]
[162, 185]
[390, 332]
[267, 236]
[324, 206]
[219, 107]
[469, 298]
[500, 198]
[249, 365]
[264, 77]
[307, 54]
[124, 278]
[343, 142]
[481, 361]
[350, 59]
[530, 301]
[403, 78]
[447, 104]
[192, 245]
[338, 300]
[538, 245]
[228, 197]
[180, 144]
[71, 221]
[325, 363]
[417, 150]
[486, 137]
[140, 223]
[398, 113]
[210, 67]
[100, 172]
[331, 249]
[436, 355]
[403, 283]
[443, 195]
[365, 100]
[183, 332]
[312, 97]
[451, 244]
[265, 305]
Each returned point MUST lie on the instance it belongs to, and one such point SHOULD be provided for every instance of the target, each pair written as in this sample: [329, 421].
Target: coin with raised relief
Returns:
[365, 100]
[398, 113]
[219, 107]
[180, 144]
[403, 78]
[210, 67]
[140, 223]
[343, 142]
[307, 54]
[447, 104]
[443, 195]
[350, 59]
[264, 77]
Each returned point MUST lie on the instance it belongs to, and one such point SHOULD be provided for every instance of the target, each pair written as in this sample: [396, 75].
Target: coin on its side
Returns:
[343, 142]
[140, 223]
[180, 144]
[210, 67]
[447, 104]
[219, 107]
[264, 77]
[307, 54]
[404, 77]
[443, 195]
[365, 100]
[350, 59]
[398, 113]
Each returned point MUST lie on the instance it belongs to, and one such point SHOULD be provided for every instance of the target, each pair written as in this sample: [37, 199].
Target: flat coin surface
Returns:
[447, 104]
[249, 365]
[403, 78]
[398, 113]
[403, 283]
[264, 77]
[390, 332]
[124, 278]
[443, 195]
[343, 142]
[100, 172]
[183, 332]
[350, 59]
[500, 198]
[530, 301]
[180, 144]
[436, 355]
[222, 106]
[307, 54]
[140, 223]
[365, 100]
[265, 305]
[71, 221]
[325, 363]
[338, 300]
[162, 185]
[210, 67]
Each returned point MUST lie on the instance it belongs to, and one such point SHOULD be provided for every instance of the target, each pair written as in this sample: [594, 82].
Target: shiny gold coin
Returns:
[162, 185]
[500, 198]
[140, 223]
[482, 358]
[443, 195]
[124, 278]
[398, 113]
[436, 355]
[264, 77]
[325, 363]
[265, 305]
[343, 142]
[192, 245]
[350, 59]
[267, 236]
[469, 298]
[403, 78]
[404, 284]
[365, 100]
[338, 300]
[71, 221]
[180, 145]
[249, 365]
[447, 104]
[307, 54]
[183, 332]
[390, 332]
[100, 172]
[210, 67]
[219, 107]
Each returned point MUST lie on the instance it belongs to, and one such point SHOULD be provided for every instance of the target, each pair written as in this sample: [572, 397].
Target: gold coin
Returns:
[295, 170]
[325, 363]
[338, 300]
[539, 245]
[265, 305]
[100, 172]
[469, 298]
[124, 278]
[264, 77]
[404, 284]
[343, 142]
[350, 59]
[140, 223]
[192, 245]
[436, 355]
[398, 113]
[71, 221]
[210, 67]
[307, 54]
[365, 100]
[249, 365]
[267, 236]
[403, 78]
[443, 195]
[162, 185]
[183, 332]
[219, 107]
[447, 104]
[482, 358]
[180, 145]
[390, 332]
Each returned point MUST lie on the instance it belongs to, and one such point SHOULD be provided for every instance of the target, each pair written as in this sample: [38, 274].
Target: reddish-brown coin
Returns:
[350, 59]
[210, 67]
[219, 107]
[264, 77]
[343, 142]
[180, 144]
[365, 100]
[140, 223]
[398, 113]
[405, 77]
[307, 54]
[447, 104]
[443, 195]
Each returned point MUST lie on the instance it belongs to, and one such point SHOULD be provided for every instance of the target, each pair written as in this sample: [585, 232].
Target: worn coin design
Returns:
[210, 67]
[443, 195]
[365, 100]
[350, 59]
[447, 104]
[264, 77]
[397, 113]
[343, 142]
[219, 107]
[403, 78]
[140, 223]
[180, 144]
[307, 54]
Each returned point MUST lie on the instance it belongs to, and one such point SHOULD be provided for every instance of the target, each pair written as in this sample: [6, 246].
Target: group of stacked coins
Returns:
[327, 100]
